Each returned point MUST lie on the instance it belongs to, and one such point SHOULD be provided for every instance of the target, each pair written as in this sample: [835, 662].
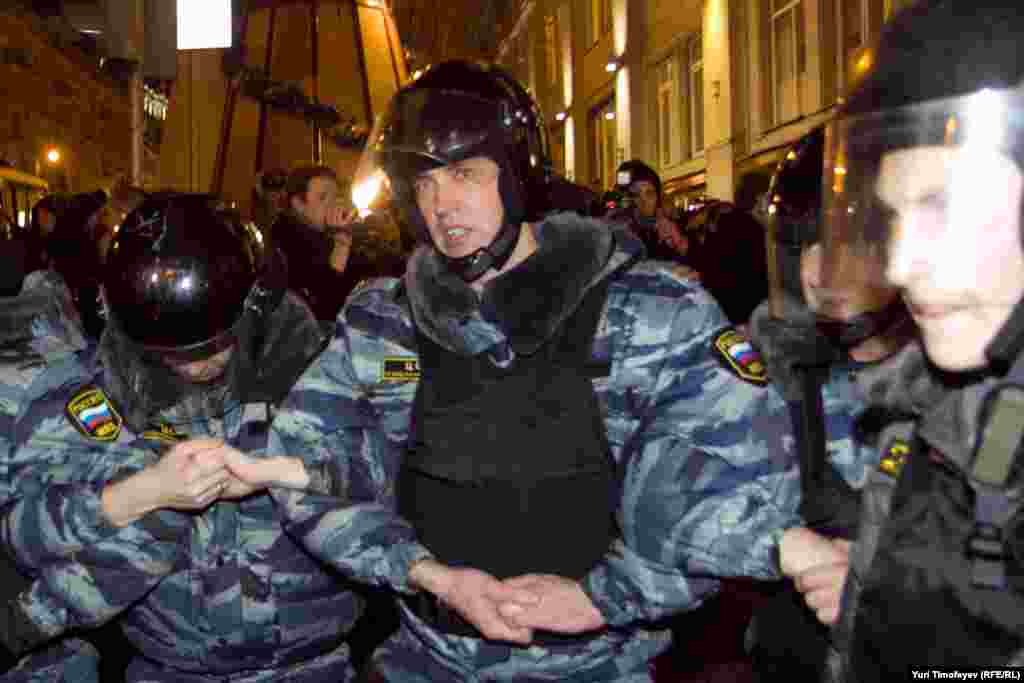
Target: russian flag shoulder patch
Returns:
[93, 415]
[735, 352]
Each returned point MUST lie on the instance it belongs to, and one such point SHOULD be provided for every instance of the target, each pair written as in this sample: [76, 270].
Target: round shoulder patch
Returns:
[92, 414]
[737, 355]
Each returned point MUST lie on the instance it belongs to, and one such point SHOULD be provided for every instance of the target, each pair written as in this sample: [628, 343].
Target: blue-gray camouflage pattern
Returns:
[39, 327]
[710, 478]
[844, 403]
[68, 661]
[207, 595]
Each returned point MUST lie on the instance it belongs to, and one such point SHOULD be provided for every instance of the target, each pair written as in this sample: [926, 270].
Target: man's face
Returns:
[321, 195]
[202, 371]
[461, 205]
[856, 285]
[646, 197]
[955, 245]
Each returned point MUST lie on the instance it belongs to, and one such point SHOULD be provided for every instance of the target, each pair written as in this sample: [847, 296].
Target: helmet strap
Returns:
[846, 334]
[495, 255]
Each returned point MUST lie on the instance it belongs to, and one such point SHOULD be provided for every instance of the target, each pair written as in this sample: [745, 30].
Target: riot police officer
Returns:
[540, 431]
[119, 502]
[818, 341]
[925, 167]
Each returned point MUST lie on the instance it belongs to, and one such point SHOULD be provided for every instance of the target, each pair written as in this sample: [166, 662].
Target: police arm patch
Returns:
[400, 369]
[163, 432]
[894, 457]
[737, 355]
[93, 415]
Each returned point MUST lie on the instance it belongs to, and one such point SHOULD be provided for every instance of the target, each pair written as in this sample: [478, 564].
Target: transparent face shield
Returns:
[927, 199]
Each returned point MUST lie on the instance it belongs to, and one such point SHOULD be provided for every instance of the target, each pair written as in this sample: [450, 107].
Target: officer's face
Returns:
[205, 370]
[646, 197]
[321, 196]
[955, 245]
[461, 205]
[855, 284]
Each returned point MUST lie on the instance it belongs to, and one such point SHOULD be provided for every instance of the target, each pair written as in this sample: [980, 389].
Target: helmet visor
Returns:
[441, 125]
[919, 187]
[423, 129]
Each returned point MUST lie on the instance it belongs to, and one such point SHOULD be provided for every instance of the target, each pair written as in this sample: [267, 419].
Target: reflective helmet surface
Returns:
[178, 274]
[794, 193]
[459, 109]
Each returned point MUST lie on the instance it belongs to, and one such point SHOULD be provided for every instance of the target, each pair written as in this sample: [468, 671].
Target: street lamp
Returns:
[53, 155]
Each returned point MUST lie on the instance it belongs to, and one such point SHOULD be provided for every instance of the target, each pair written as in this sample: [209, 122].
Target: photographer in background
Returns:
[637, 196]
[315, 236]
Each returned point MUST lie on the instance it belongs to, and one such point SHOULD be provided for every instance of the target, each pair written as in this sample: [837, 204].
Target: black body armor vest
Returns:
[509, 469]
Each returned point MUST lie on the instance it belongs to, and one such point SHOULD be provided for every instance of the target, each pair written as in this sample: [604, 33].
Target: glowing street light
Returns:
[363, 193]
[53, 155]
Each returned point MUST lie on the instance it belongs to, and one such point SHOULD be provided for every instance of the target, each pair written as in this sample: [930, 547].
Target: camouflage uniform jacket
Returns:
[38, 328]
[221, 592]
[709, 477]
[844, 404]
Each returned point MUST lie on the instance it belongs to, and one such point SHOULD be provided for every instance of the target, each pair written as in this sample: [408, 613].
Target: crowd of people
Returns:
[542, 435]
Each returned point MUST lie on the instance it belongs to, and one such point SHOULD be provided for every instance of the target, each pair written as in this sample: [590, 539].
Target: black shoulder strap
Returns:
[1000, 433]
[581, 329]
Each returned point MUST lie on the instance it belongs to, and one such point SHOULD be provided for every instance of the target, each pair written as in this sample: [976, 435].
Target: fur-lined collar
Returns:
[527, 304]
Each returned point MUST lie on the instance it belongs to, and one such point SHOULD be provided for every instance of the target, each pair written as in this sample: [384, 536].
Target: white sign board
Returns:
[204, 24]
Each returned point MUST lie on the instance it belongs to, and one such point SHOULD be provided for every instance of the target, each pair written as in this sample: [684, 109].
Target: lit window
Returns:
[696, 97]
[668, 114]
[787, 46]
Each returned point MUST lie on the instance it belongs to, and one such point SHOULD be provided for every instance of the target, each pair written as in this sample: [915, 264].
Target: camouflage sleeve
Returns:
[328, 418]
[91, 588]
[82, 569]
[69, 660]
[710, 482]
[57, 512]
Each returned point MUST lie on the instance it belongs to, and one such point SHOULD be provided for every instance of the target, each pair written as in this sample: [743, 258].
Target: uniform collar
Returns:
[526, 305]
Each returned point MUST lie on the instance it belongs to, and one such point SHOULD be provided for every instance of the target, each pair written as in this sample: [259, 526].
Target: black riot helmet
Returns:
[939, 117]
[793, 215]
[792, 208]
[457, 110]
[181, 274]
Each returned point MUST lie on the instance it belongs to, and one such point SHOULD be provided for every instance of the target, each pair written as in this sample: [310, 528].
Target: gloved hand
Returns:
[790, 343]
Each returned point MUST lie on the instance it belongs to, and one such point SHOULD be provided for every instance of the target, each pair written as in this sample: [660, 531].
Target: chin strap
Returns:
[845, 334]
[495, 255]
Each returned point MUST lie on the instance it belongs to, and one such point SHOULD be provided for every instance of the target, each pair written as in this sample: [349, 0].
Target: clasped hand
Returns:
[192, 475]
[510, 610]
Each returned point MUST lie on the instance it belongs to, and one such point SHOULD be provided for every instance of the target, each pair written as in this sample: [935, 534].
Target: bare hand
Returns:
[562, 607]
[818, 566]
[189, 476]
[192, 474]
[670, 234]
[338, 223]
[476, 596]
[822, 585]
[259, 473]
[801, 549]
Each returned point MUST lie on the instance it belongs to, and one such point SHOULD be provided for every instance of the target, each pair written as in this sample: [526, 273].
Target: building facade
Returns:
[61, 117]
[710, 93]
